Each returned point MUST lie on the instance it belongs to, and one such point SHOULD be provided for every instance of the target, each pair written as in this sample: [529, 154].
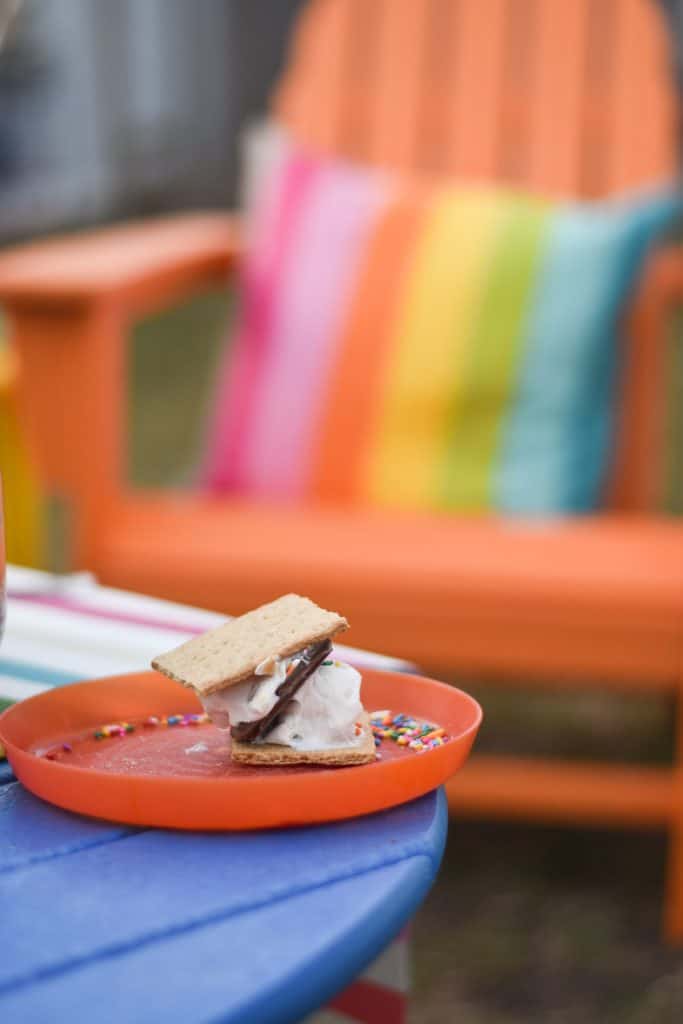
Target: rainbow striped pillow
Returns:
[425, 345]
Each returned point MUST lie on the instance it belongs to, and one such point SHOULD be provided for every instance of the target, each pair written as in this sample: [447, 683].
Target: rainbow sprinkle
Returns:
[151, 722]
[406, 731]
[112, 729]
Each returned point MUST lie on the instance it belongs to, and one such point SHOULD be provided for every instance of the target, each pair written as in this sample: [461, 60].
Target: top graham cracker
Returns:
[231, 653]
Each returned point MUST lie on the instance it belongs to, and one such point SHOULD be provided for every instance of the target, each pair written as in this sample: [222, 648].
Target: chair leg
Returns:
[673, 911]
[379, 995]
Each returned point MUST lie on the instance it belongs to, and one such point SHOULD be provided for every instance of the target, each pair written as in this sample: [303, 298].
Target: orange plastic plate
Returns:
[184, 778]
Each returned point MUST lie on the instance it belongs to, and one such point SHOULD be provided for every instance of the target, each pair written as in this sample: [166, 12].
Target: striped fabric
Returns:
[425, 345]
[63, 629]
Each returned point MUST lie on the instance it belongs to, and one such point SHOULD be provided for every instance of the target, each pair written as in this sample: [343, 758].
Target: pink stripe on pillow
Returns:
[314, 293]
[272, 236]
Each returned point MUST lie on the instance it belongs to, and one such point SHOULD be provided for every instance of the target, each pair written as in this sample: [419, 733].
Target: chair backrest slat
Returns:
[636, 151]
[478, 83]
[440, 65]
[394, 87]
[554, 156]
[322, 43]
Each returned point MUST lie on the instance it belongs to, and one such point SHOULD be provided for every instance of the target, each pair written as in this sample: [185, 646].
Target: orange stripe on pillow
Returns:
[365, 348]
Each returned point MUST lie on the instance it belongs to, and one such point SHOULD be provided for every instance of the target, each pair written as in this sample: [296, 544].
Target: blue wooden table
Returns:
[106, 923]
[100, 922]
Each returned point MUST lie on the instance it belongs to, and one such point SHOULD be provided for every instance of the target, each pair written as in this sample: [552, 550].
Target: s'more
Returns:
[270, 678]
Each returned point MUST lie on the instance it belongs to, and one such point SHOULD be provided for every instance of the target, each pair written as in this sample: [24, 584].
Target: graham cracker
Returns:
[231, 653]
[278, 754]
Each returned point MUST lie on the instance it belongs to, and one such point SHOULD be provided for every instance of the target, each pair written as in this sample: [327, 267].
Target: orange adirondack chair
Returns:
[572, 99]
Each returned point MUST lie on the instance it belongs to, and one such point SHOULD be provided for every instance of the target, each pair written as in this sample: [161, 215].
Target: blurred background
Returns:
[119, 110]
[145, 107]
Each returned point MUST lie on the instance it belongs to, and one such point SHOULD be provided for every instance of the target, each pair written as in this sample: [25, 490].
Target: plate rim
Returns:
[25, 761]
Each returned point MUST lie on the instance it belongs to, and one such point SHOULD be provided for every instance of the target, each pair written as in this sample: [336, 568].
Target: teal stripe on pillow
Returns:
[557, 438]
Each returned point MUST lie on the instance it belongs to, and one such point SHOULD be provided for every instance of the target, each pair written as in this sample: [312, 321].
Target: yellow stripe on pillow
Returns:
[442, 296]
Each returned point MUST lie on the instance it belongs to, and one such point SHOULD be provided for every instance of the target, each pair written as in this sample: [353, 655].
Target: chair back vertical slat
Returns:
[474, 122]
[558, 69]
[319, 57]
[396, 104]
[637, 149]
[355, 125]
[439, 67]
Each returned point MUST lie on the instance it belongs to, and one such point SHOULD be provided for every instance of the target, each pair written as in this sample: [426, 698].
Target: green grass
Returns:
[174, 359]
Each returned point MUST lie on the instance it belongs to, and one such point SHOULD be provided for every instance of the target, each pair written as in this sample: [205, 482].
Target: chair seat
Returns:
[598, 598]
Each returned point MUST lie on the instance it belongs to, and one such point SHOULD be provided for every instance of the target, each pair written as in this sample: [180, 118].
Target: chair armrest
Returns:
[139, 266]
[638, 471]
[69, 303]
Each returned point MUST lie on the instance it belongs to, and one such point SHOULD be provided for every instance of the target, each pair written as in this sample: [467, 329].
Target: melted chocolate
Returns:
[311, 659]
